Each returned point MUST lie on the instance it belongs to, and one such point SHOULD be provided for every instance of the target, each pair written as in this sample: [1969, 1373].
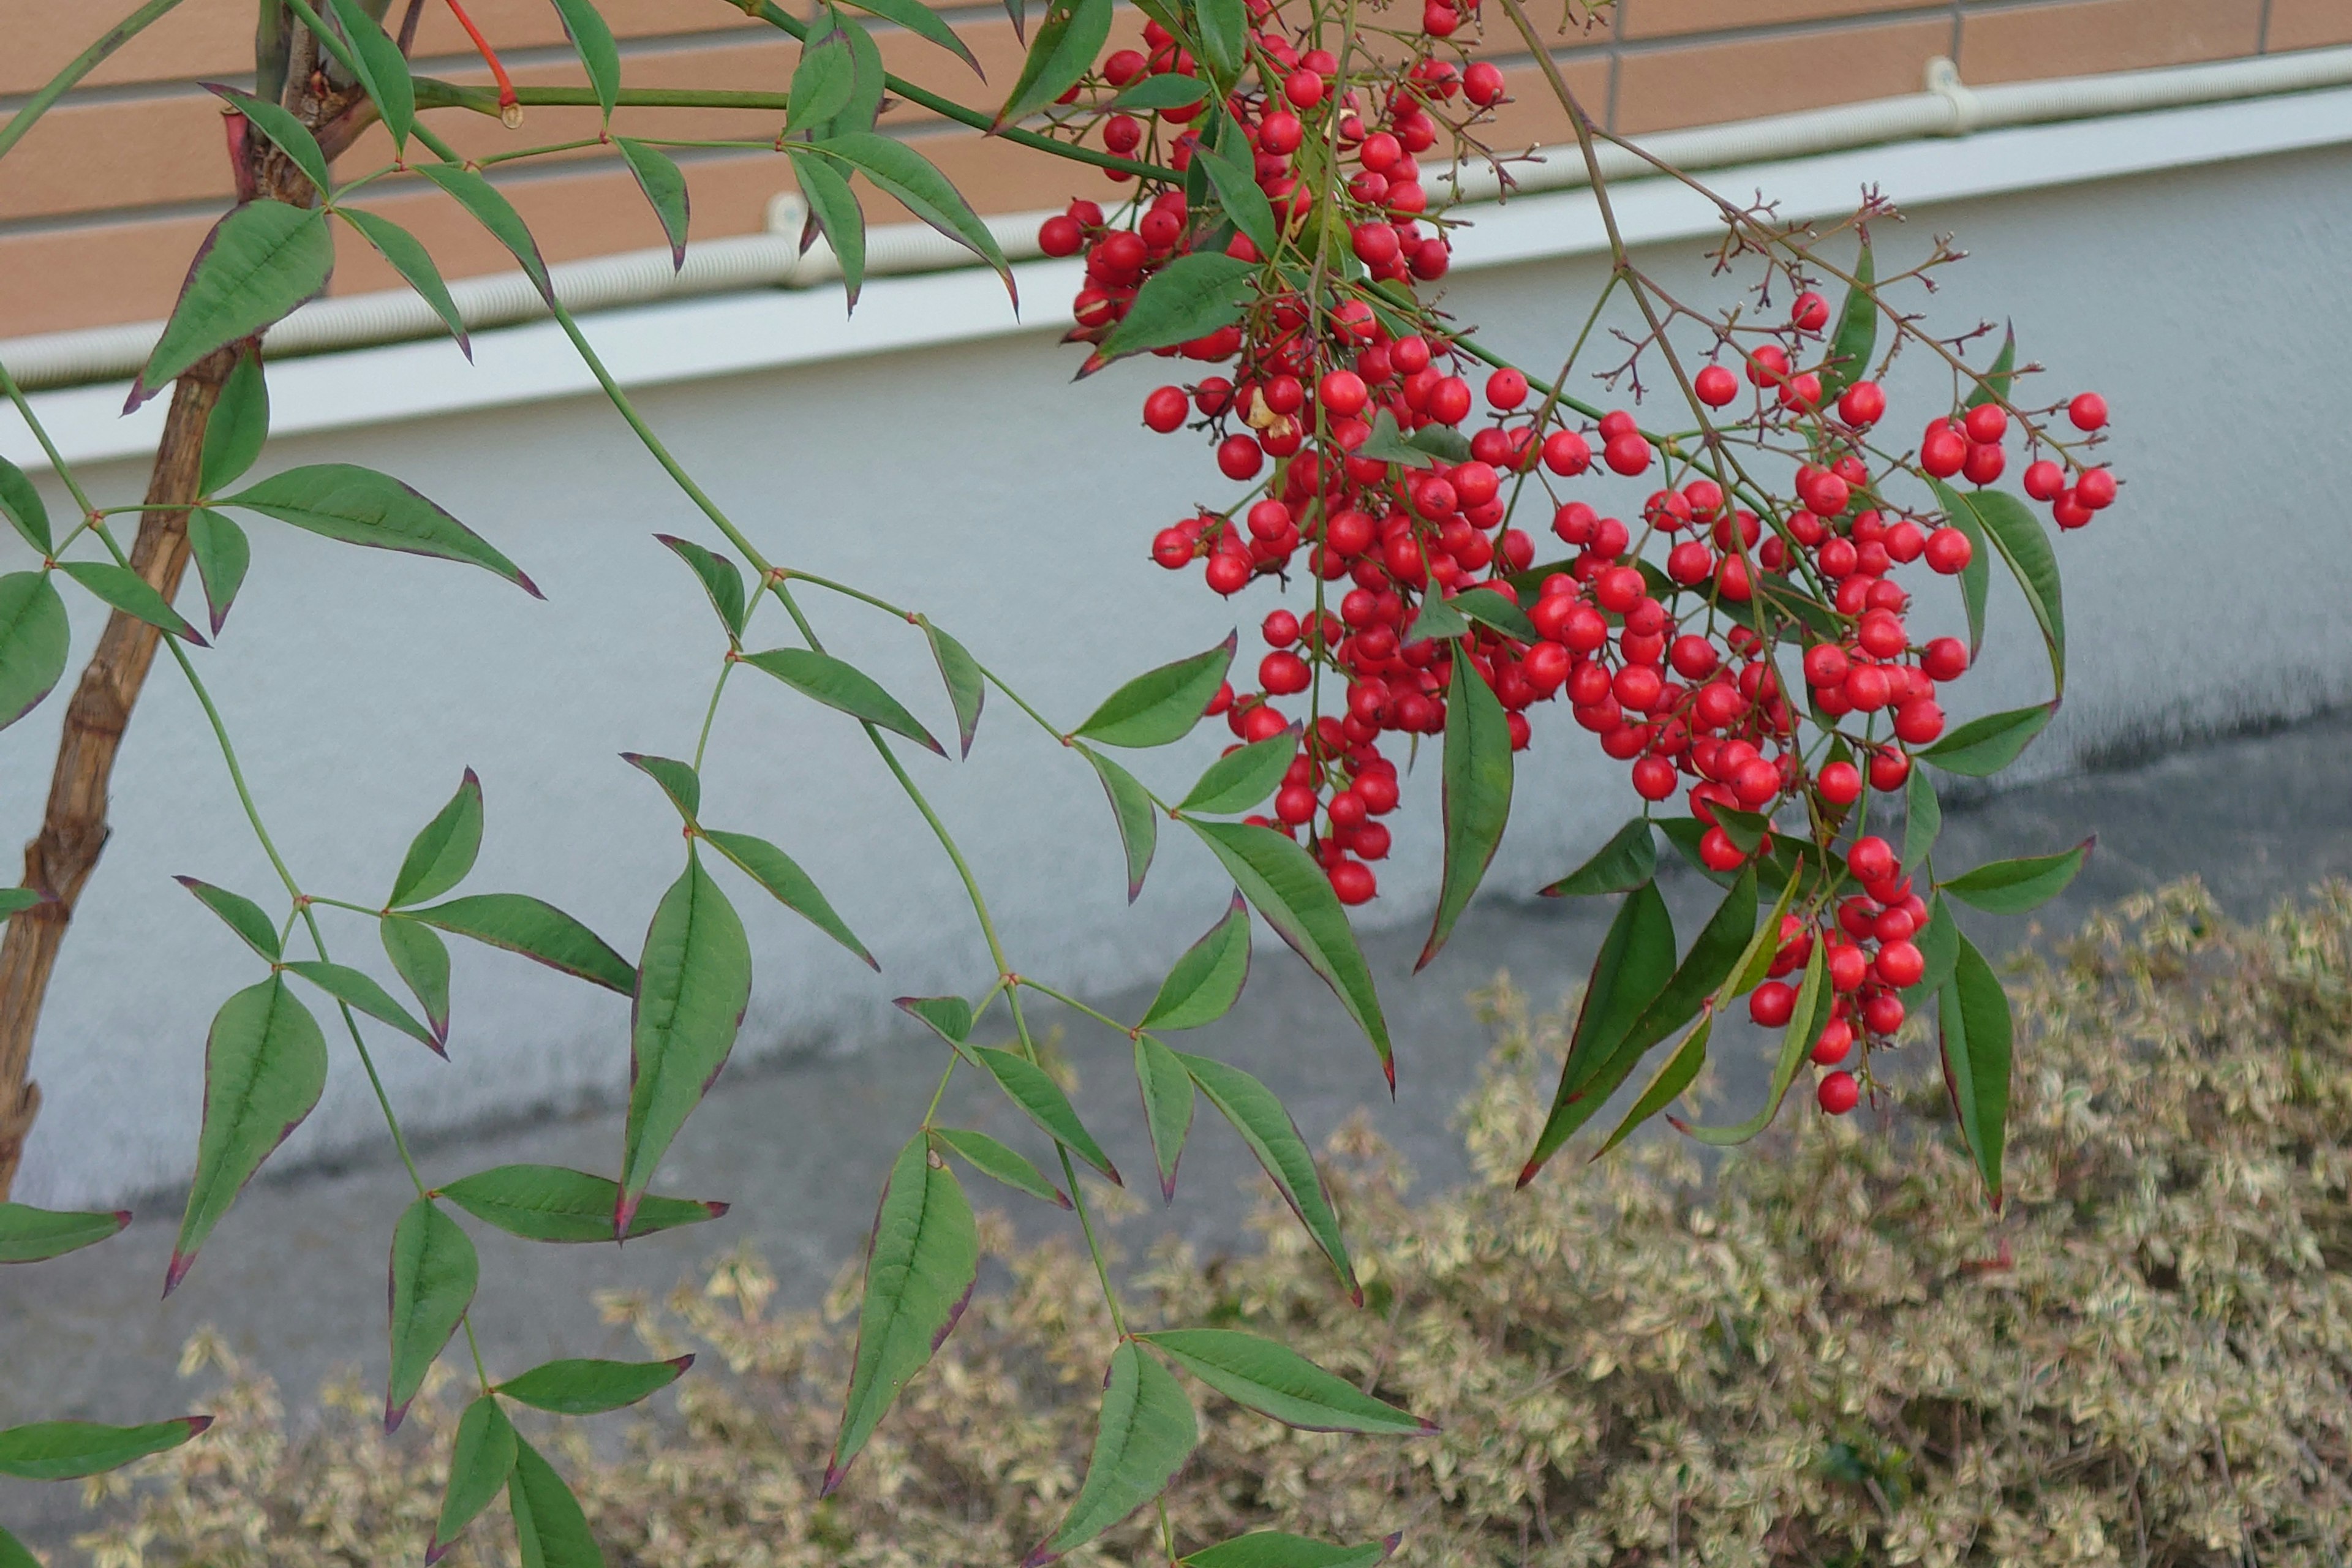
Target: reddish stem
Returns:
[509, 106]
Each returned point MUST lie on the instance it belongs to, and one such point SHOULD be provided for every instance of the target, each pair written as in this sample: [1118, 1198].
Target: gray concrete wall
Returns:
[981, 485]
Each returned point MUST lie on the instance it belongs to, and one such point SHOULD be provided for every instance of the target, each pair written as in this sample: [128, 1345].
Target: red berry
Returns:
[1900, 965]
[1239, 457]
[2095, 491]
[1948, 551]
[1943, 449]
[1809, 313]
[1836, 1045]
[1060, 235]
[1628, 455]
[1889, 770]
[1944, 658]
[1654, 778]
[1872, 859]
[1353, 882]
[1280, 132]
[1482, 84]
[1772, 1004]
[1863, 404]
[2088, 411]
[1506, 389]
[1716, 387]
[1986, 423]
[1566, 453]
[1718, 852]
[2044, 479]
[1343, 393]
[1165, 409]
[1302, 88]
[1228, 573]
[1839, 1093]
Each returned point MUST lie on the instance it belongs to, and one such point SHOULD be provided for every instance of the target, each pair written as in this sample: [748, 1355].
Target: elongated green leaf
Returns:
[265, 1066]
[1274, 1139]
[2023, 543]
[993, 1160]
[1283, 883]
[1685, 833]
[967, 688]
[920, 1271]
[239, 427]
[1490, 608]
[1628, 860]
[480, 1460]
[677, 780]
[1972, 1014]
[241, 914]
[407, 256]
[283, 128]
[1815, 997]
[1160, 705]
[549, 1202]
[28, 1234]
[1630, 974]
[221, 553]
[949, 1017]
[258, 262]
[1244, 777]
[1132, 809]
[592, 1387]
[1675, 1074]
[601, 59]
[1032, 1089]
[1068, 42]
[663, 185]
[1224, 29]
[1939, 942]
[1147, 1432]
[924, 23]
[421, 959]
[1208, 979]
[825, 78]
[354, 988]
[494, 212]
[1984, 746]
[434, 1272]
[1478, 772]
[26, 513]
[1233, 176]
[788, 884]
[1167, 1107]
[844, 687]
[1857, 331]
[360, 505]
[1189, 297]
[2000, 374]
[2014, 886]
[35, 638]
[1152, 93]
[1275, 1380]
[835, 213]
[693, 983]
[381, 70]
[1923, 817]
[1272, 1549]
[64, 1450]
[538, 930]
[719, 578]
[916, 183]
[1388, 444]
[1705, 971]
[120, 588]
[444, 850]
[549, 1527]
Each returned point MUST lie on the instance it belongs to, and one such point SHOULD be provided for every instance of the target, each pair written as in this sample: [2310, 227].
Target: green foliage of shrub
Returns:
[1831, 1353]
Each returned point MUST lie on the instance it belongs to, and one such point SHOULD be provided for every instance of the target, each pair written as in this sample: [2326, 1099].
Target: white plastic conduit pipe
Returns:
[1947, 108]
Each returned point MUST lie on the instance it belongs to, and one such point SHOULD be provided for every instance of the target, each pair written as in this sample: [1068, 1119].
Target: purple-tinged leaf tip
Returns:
[394, 1414]
[1389, 1546]
[177, 1269]
[683, 1362]
[1356, 1294]
[121, 1219]
[522, 578]
[955, 1315]
[438, 1550]
[624, 1212]
[197, 1425]
[833, 1476]
[1039, 1558]
[716, 1208]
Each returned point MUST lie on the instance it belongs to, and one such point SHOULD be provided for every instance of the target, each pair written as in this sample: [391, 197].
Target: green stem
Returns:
[80, 66]
[1105, 1019]
[432, 93]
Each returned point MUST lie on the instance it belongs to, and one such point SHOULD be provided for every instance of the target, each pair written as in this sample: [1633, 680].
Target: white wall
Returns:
[979, 484]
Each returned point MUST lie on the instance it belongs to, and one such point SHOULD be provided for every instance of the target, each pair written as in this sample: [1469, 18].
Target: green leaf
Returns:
[920, 1271]
[1283, 882]
[480, 1460]
[1167, 1107]
[443, 851]
[495, 213]
[1241, 779]
[1223, 29]
[1234, 177]
[1939, 942]
[1985, 745]
[1032, 1089]
[549, 1528]
[916, 183]
[421, 959]
[1189, 297]
[719, 578]
[693, 983]
[1705, 971]
[949, 1017]
[993, 1160]
[434, 1272]
[1491, 608]
[1976, 577]
[1132, 809]
[841, 686]
[538, 930]
[1675, 1074]
[834, 212]
[1635, 962]
[1857, 331]
[924, 23]
[1069, 40]
[34, 637]
[1275, 1380]
[222, 554]
[27, 513]
[16, 901]
[1627, 861]
[2024, 544]
[593, 1387]
[265, 1066]
[549, 1202]
[1160, 705]
[283, 128]
[1436, 620]
[354, 988]
[1745, 830]
[120, 588]
[967, 688]
[1274, 1139]
[1923, 817]
[242, 915]
[677, 780]
[1148, 94]
[825, 78]
[258, 262]
[29, 1235]
[1478, 770]
[382, 70]
[66, 1450]
[1814, 998]
[2002, 371]
[2014, 886]
[788, 884]
[663, 185]
[1972, 1014]
[601, 59]
[1147, 1432]
[1387, 443]
[360, 505]
[408, 257]
[1685, 833]
[238, 426]
[1272, 1549]
[1207, 979]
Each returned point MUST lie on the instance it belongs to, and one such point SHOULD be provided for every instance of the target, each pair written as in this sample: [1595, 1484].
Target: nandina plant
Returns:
[1277, 216]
